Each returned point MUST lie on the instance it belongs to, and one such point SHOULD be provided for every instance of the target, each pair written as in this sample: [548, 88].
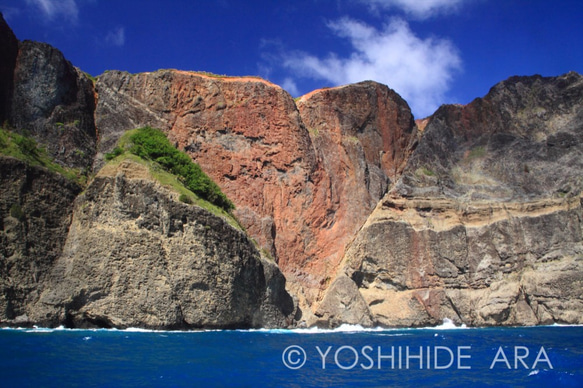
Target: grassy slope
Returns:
[26, 149]
[169, 180]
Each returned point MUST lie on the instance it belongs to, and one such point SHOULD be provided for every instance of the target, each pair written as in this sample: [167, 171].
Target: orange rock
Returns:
[303, 181]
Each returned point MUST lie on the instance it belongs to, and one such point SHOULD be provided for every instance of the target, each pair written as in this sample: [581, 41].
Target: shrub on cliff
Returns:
[152, 144]
[28, 150]
[117, 151]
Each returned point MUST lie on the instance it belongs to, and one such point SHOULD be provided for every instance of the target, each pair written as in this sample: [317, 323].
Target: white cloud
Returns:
[420, 9]
[51, 9]
[420, 70]
[116, 37]
[291, 86]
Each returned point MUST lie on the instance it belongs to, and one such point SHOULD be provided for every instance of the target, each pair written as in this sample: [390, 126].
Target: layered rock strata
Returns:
[484, 225]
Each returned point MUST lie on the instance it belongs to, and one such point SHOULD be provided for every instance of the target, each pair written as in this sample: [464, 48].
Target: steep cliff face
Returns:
[127, 253]
[366, 127]
[362, 135]
[484, 226]
[481, 223]
[245, 133]
[35, 213]
[520, 141]
[54, 102]
[137, 257]
[291, 195]
[45, 96]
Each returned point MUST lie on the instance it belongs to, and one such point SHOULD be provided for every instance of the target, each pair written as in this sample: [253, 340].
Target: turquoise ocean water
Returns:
[549, 356]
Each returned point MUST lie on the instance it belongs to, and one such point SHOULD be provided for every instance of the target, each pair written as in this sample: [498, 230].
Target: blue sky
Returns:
[430, 51]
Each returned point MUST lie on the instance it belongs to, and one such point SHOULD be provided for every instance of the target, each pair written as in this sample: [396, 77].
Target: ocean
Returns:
[446, 356]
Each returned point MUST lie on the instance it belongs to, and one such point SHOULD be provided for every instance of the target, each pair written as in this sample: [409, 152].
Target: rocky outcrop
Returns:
[362, 135]
[519, 142]
[301, 192]
[35, 213]
[484, 226]
[365, 128]
[137, 257]
[43, 95]
[71, 264]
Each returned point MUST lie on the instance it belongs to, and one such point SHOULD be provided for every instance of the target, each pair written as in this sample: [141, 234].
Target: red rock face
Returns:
[303, 184]
[362, 135]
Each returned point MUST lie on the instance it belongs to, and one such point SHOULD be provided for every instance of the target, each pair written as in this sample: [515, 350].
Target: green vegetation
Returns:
[186, 199]
[171, 182]
[117, 151]
[352, 139]
[425, 171]
[26, 149]
[92, 78]
[151, 144]
[16, 212]
[478, 152]
[267, 255]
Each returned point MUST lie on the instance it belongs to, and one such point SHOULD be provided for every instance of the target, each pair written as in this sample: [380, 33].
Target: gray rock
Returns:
[484, 225]
[137, 257]
[35, 213]
[343, 304]
[53, 102]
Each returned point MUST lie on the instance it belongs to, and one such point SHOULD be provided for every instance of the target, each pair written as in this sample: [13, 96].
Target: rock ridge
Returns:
[484, 224]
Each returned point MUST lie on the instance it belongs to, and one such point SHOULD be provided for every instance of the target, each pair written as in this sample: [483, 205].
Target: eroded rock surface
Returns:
[484, 226]
[481, 222]
[303, 181]
[35, 214]
[137, 257]
[54, 102]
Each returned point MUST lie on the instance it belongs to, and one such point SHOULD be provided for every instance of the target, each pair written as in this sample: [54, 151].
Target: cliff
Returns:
[45, 96]
[135, 256]
[124, 251]
[35, 213]
[346, 203]
[484, 225]
[303, 181]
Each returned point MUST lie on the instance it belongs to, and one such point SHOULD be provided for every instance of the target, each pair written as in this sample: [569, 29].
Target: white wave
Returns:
[345, 328]
[139, 330]
[534, 372]
[448, 324]
[37, 329]
[563, 325]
